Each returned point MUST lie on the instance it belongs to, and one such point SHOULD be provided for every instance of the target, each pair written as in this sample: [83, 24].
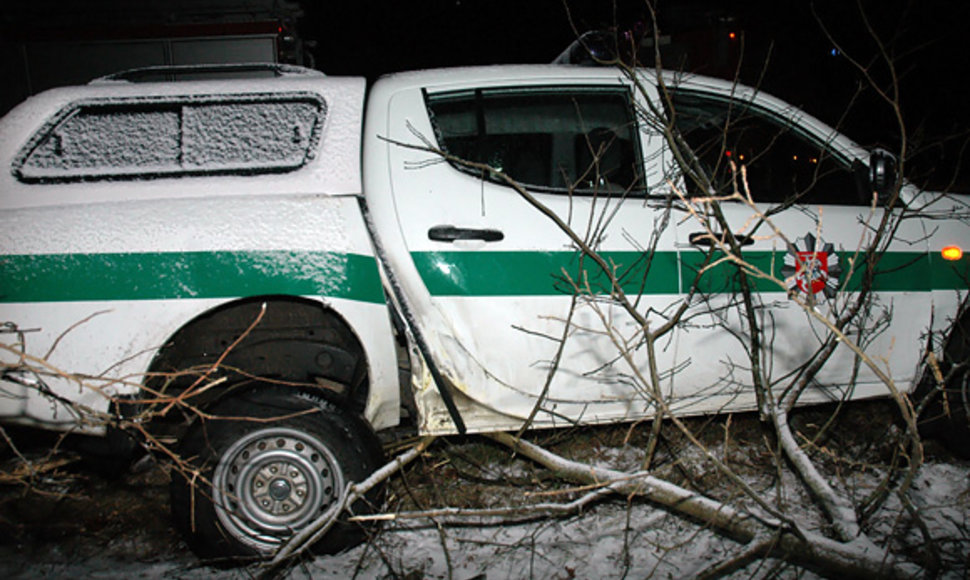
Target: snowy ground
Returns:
[90, 527]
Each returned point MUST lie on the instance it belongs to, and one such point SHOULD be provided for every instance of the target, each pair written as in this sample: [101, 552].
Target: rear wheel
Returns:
[271, 463]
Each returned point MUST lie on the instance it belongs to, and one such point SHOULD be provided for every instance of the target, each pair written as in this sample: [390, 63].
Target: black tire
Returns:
[950, 422]
[956, 433]
[259, 481]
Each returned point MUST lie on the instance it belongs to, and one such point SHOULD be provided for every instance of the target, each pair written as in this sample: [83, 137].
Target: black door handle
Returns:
[705, 239]
[451, 234]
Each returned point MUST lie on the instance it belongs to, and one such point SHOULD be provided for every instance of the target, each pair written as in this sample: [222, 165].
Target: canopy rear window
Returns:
[145, 138]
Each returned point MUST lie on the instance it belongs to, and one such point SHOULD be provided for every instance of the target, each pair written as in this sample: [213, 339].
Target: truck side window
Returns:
[248, 136]
[552, 139]
[162, 138]
[92, 140]
[783, 165]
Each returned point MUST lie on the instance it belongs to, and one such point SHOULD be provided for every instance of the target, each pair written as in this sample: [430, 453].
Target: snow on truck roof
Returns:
[198, 72]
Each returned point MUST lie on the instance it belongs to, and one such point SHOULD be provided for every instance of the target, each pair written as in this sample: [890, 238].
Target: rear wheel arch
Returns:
[297, 341]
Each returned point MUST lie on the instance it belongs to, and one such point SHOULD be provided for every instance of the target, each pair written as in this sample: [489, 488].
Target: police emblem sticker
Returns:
[812, 267]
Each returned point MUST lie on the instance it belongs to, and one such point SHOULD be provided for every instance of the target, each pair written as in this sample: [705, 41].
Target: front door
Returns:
[805, 239]
[514, 314]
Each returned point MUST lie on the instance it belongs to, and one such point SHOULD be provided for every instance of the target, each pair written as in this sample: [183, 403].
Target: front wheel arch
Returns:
[945, 414]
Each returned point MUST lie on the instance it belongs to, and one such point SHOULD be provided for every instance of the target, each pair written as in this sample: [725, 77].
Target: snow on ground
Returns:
[619, 538]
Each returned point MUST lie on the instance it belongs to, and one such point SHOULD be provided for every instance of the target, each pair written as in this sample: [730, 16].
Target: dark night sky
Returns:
[373, 37]
[785, 49]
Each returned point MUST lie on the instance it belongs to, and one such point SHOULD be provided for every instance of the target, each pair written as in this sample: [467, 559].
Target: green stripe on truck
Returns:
[169, 275]
[554, 273]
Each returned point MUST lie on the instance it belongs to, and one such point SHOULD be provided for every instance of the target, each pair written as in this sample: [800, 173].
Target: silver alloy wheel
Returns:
[272, 482]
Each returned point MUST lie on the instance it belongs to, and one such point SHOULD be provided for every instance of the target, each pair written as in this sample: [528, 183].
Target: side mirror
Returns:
[883, 175]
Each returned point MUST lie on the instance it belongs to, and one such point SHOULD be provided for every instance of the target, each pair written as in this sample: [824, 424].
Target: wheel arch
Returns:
[957, 341]
[301, 342]
[946, 412]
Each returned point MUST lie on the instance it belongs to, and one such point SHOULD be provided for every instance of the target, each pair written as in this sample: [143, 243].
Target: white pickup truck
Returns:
[173, 251]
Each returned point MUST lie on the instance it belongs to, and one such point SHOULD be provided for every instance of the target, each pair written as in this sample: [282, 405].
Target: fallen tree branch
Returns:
[499, 515]
[852, 559]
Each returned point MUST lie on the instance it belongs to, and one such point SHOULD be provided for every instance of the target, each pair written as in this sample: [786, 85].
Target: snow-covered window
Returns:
[92, 141]
[247, 135]
[556, 139]
[148, 138]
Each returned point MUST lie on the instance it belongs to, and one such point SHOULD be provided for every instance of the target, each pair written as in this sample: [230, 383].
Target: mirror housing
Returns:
[883, 174]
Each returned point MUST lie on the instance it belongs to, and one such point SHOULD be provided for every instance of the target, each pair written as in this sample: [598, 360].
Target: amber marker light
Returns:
[952, 253]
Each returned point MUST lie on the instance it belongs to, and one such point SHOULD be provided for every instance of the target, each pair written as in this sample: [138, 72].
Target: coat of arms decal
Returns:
[812, 267]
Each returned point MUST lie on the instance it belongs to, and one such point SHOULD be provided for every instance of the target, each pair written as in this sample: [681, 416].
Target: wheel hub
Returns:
[279, 489]
[272, 482]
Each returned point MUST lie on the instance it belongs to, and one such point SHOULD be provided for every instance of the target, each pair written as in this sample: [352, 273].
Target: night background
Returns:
[818, 55]
[778, 45]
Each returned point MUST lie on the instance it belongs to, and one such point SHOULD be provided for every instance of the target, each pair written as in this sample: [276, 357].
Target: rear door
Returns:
[513, 312]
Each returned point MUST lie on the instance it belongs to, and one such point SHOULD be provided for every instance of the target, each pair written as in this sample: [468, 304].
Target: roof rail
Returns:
[206, 71]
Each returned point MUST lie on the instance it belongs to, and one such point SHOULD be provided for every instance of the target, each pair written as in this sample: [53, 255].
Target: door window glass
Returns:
[782, 165]
[580, 140]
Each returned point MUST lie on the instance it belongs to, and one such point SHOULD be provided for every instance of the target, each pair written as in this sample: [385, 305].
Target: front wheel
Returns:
[947, 413]
[268, 465]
